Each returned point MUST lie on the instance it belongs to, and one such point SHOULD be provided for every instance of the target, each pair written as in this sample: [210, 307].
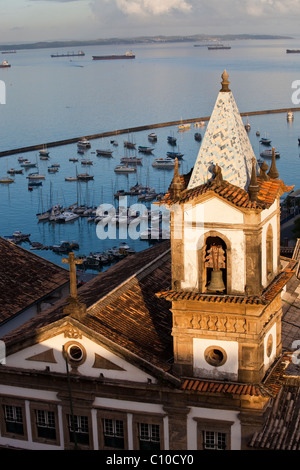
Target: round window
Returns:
[76, 353]
[215, 356]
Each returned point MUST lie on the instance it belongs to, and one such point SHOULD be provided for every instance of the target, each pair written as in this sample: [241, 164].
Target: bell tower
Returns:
[225, 245]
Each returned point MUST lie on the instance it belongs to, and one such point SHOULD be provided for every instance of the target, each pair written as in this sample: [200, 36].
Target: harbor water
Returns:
[51, 99]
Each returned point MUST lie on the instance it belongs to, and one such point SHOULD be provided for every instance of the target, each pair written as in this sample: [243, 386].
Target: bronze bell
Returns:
[216, 283]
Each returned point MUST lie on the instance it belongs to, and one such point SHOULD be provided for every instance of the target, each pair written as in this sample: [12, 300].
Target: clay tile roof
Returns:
[121, 307]
[25, 278]
[268, 191]
[224, 388]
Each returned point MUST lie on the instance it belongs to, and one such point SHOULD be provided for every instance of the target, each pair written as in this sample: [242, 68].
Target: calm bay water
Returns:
[50, 99]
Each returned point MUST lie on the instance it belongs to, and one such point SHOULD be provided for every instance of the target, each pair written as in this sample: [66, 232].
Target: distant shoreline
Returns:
[140, 40]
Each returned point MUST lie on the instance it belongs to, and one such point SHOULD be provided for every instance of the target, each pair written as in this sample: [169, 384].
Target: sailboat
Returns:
[44, 152]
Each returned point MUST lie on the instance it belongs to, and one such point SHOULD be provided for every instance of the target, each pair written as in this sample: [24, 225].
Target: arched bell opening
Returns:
[205, 243]
[215, 265]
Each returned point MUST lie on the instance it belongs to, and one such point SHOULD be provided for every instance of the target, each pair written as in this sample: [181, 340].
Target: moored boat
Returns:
[124, 169]
[84, 143]
[164, 163]
[6, 180]
[144, 149]
[198, 136]
[5, 64]
[175, 155]
[84, 177]
[268, 153]
[265, 141]
[35, 176]
[104, 152]
[132, 160]
[184, 127]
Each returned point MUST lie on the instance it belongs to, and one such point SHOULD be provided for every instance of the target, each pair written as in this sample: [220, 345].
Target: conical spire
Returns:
[273, 173]
[263, 171]
[253, 186]
[176, 185]
[225, 143]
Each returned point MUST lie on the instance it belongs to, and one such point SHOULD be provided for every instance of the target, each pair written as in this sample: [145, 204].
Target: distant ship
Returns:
[293, 51]
[69, 54]
[128, 55]
[8, 52]
[220, 46]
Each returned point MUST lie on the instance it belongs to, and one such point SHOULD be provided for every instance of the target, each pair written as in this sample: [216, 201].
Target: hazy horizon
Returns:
[27, 21]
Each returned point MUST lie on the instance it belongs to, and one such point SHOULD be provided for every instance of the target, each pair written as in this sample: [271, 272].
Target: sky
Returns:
[48, 20]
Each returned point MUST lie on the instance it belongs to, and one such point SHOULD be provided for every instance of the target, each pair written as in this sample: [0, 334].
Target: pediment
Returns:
[94, 358]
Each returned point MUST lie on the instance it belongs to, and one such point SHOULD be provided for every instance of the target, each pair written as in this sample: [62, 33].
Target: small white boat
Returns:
[132, 160]
[28, 164]
[164, 163]
[247, 126]
[84, 143]
[44, 152]
[269, 153]
[124, 169]
[152, 136]
[199, 124]
[67, 217]
[71, 178]
[35, 176]
[290, 115]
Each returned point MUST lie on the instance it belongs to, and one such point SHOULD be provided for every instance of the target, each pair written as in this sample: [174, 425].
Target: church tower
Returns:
[225, 247]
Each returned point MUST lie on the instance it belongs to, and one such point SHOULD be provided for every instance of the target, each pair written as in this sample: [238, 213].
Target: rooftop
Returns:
[25, 278]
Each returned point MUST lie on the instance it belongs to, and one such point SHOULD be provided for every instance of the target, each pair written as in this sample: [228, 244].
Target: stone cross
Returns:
[72, 268]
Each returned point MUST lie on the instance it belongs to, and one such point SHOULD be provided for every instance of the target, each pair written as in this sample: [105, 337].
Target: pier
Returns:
[59, 143]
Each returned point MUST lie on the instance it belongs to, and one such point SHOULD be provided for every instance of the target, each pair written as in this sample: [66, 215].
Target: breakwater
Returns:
[59, 143]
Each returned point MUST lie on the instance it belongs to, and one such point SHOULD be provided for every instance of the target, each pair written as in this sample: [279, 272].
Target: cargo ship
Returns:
[210, 48]
[293, 51]
[128, 55]
[69, 54]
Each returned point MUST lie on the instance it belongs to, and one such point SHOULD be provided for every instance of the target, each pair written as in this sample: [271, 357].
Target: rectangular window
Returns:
[149, 436]
[80, 430]
[14, 419]
[113, 433]
[45, 423]
[213, 440]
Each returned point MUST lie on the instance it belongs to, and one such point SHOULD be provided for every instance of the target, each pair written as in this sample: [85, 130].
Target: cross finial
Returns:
[72, 268]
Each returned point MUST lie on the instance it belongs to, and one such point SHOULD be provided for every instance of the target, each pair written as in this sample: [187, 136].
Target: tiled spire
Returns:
[225, 143]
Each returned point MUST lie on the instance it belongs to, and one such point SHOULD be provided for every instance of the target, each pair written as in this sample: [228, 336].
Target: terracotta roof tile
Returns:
[25, 278]
[226, 388]
[268, 191]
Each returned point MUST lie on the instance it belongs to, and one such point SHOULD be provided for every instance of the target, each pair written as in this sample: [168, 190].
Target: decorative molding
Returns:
[71, 332]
